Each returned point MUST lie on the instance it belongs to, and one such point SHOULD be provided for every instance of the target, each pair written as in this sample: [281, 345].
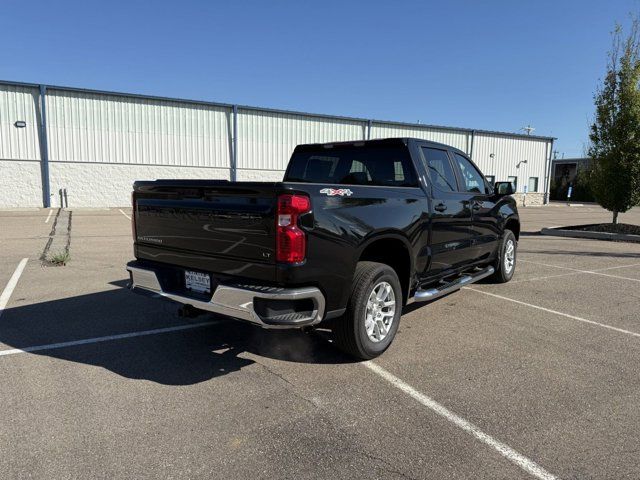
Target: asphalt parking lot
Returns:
[538, 378]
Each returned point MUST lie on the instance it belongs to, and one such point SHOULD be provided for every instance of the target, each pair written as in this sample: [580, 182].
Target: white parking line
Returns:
[617, 266]
[48, 216]
[578, 272]
[592, 272]
[544, 278]
[120, 210]
[13, 281]
[573, 317]
[506, 451]
[108, 338]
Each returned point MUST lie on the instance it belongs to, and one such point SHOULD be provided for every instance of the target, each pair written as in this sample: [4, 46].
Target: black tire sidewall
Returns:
[366, 346]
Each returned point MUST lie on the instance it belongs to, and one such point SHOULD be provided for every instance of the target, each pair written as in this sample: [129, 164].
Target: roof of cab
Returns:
[379, 141]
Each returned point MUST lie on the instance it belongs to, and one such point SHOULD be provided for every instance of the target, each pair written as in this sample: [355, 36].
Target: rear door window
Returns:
[473, 180]
[439, 169]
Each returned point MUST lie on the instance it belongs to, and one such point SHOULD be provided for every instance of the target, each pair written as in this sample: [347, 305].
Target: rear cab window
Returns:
[368, 164]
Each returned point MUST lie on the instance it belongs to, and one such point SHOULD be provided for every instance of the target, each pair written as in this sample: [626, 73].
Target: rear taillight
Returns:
[291, 241]
[133, 216]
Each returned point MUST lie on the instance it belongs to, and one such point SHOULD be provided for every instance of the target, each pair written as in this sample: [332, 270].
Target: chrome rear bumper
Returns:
[237, 301]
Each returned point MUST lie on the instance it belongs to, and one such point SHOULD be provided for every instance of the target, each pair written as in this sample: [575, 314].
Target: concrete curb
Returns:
[556, 203]
[616, 237]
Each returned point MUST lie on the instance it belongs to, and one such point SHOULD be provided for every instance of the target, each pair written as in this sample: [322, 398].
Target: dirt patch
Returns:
[56, 251]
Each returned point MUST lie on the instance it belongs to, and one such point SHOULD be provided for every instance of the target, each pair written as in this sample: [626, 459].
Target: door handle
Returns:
[441, 207]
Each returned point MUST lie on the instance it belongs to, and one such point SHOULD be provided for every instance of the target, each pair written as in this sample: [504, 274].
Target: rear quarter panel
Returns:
[344, 224]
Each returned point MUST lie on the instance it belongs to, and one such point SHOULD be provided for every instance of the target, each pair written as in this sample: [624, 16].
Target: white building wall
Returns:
[509, 155]
[20, 184]
[109, 185]
[98, 128]
[460, 139]
[19, 103]
[20, 175]
[252, 175]
[266, 139]
[100, 143]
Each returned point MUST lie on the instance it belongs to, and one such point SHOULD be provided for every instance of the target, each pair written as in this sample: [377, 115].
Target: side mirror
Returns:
[504, 188]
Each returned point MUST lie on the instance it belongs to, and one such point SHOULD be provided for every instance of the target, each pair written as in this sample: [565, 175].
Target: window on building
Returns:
[473, 179]
[439, 169]
[491, 179]
[514, 182]
[533, 184]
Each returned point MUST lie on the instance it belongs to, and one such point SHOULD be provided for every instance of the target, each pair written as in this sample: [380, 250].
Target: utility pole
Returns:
[528, 129]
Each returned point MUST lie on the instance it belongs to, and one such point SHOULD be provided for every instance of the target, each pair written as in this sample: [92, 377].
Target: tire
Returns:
[503, 273]
[350, 332]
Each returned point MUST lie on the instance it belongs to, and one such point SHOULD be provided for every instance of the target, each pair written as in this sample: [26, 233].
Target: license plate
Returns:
[197, 282]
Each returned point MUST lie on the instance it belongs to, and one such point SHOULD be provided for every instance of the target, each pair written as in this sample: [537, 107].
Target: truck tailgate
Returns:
[228, 221]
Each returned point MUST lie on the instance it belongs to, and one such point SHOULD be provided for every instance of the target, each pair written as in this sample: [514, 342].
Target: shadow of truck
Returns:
[182, 357]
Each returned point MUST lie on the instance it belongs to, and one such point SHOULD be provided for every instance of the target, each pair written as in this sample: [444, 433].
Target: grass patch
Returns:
[60, 258]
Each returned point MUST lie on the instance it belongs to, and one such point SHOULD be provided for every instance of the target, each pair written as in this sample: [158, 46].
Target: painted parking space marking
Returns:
[122, 212]
[48, 216]
[533, 279]
[503, 449]
[107, 338]
[617, 266]
[596, 271]
[592, 272]
[556, 312]
[11, 285]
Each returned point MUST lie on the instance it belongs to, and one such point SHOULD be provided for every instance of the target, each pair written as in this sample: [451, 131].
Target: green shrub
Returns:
[60, 258]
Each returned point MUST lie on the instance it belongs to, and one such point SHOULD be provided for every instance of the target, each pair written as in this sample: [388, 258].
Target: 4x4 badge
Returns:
[332, 192]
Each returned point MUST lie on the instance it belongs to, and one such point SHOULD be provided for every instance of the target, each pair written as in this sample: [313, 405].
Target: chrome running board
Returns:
[457, 284]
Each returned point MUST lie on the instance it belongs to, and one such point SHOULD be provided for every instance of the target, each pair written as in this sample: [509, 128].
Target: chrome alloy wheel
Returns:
[509, 256]
[381, 309]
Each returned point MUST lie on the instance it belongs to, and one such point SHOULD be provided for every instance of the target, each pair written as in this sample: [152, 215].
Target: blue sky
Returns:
[491, 65]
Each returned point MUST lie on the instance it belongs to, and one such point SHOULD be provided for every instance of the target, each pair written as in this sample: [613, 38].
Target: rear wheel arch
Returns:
[392, 250]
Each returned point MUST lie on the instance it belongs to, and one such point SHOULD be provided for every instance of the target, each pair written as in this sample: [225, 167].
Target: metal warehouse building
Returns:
[94, 144]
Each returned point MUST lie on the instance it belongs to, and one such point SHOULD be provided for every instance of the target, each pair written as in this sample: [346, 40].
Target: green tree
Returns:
[614, 176]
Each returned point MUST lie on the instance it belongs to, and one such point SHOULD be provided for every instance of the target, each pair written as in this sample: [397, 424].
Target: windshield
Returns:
[353, 165]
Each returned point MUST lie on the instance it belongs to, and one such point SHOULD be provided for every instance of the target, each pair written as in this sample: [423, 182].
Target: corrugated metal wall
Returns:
[99, 128]
[460, 139]
[509, 154]
[266, 139]
[19, 103]
[20, 165]
[125, 137]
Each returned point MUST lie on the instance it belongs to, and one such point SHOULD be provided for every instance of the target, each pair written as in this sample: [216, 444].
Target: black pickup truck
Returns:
[354, 232]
